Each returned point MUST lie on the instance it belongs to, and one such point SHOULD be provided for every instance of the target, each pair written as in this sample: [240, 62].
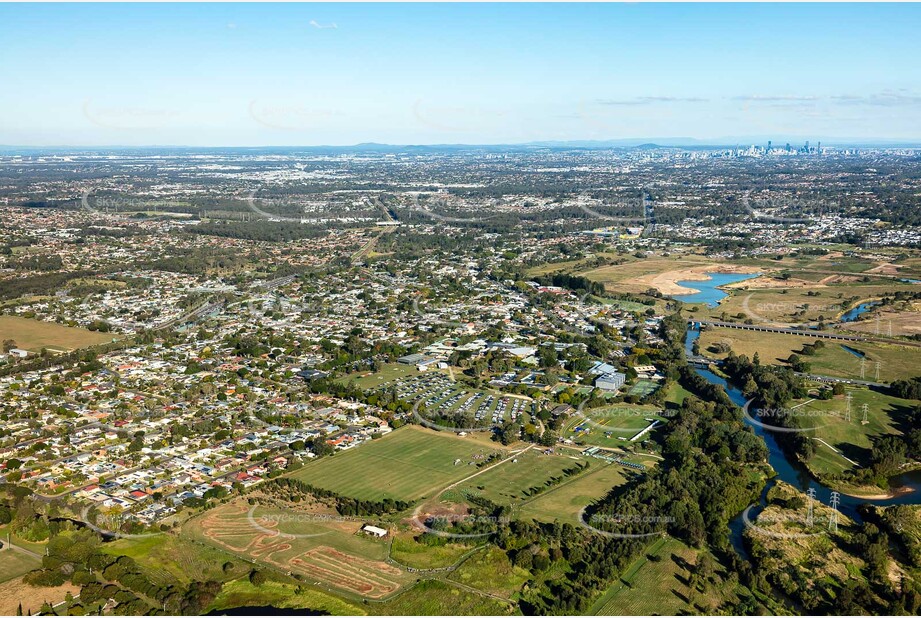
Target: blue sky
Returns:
[306, 74]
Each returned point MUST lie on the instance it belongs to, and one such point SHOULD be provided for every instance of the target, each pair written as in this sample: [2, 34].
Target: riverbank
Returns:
[667, 282]
[855, 492]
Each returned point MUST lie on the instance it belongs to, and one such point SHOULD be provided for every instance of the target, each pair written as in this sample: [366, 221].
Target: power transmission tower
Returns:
[835, 501]
[865, 408]
[877, 371]
[847, 410]
[810, 493]
[863, 367]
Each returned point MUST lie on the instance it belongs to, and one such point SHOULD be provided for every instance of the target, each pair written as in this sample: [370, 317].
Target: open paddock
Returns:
[896, 361]
[33, 335]
[15, 563]
[506, 484]
[852, 439]
[330, 551]
[407, 464]
[564, 502]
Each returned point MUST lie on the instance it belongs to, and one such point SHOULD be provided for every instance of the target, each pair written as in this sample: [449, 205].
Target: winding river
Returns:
[851, 315]
[794, 473]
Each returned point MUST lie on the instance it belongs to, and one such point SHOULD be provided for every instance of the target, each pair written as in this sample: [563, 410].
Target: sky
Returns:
[338, 74]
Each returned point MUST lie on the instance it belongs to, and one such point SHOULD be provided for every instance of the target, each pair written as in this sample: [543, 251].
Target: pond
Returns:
[709, 291]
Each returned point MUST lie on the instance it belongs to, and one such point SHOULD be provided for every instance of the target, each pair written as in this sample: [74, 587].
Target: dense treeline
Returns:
[294, 490]
[73, 554]
[44, 284]
[770, 389]
[907, 389]
[261, 230]
[573, 282]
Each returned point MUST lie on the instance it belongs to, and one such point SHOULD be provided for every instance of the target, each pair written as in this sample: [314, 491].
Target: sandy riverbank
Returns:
[855, 493]
[667, 282]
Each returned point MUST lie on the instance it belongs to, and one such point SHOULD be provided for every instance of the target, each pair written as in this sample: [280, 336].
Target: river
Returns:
[851, 315]
[796, 474]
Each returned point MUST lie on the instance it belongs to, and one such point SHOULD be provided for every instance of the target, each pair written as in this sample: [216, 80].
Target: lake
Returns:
[709, 291]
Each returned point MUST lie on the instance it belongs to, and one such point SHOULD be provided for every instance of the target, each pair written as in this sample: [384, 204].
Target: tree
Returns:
[257, 578]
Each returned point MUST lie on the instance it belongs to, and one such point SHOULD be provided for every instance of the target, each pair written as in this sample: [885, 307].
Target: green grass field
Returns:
[33, 546]
[642, 388]
[885, 414]
[651, 587]
[241, 593]
[492, 572]
[15, 563]
[375, 379]
[440, 598]
[33, 335]
[605, 426]
[407, 464]
[563, 502]
[168, 559]
[505, 484]
[405, 550]
[675, 394]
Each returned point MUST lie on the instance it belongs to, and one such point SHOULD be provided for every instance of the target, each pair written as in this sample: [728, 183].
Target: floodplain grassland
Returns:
[33, 335]
[833, 360]
[801, 303]
[651, 587]
[168, 559]
[506, 484]
[407, 464]
[564, 502]
[901, 321]
[640, 275]
[440, 598]
[851, 440]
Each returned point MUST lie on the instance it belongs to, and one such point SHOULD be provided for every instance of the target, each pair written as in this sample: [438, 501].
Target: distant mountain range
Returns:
[629, 143]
